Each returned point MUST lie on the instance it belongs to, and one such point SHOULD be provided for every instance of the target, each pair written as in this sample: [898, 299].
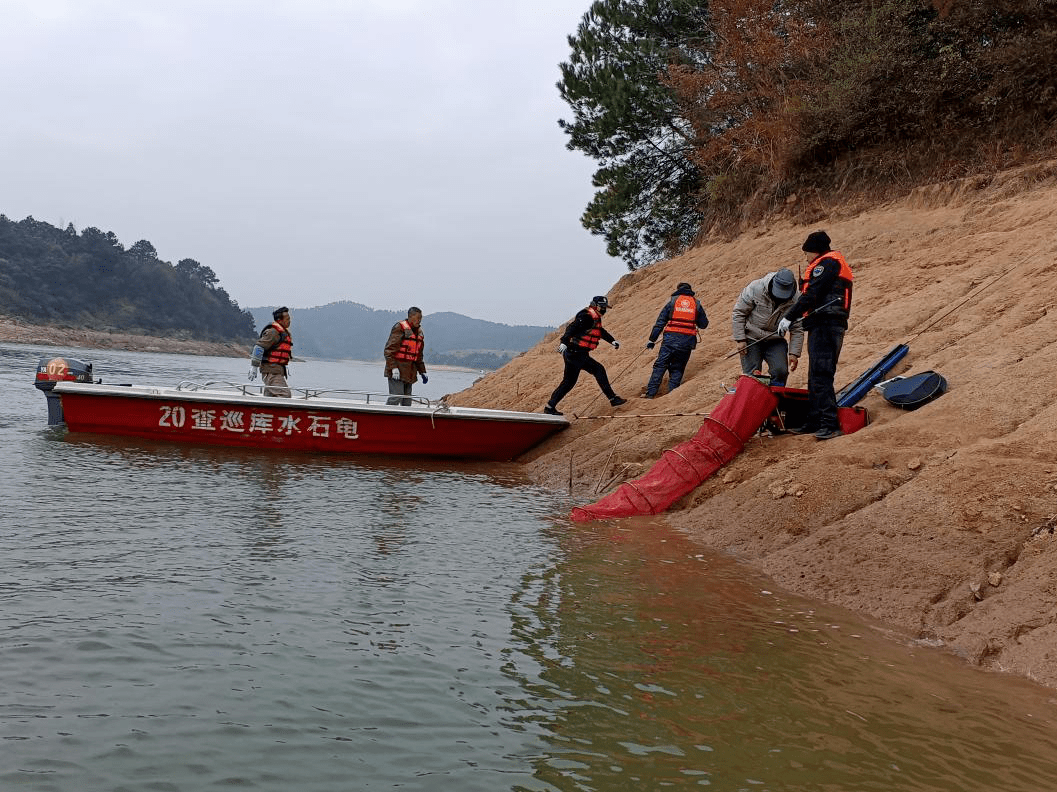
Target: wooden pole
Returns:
[605, 466]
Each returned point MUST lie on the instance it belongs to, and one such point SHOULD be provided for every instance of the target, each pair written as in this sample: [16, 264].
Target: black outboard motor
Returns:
[52, 370]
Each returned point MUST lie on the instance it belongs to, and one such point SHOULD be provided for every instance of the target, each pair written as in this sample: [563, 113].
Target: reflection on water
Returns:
[655, 665]
[181, 618]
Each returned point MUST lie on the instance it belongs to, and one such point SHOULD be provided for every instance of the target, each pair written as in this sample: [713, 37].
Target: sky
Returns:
[387, 152]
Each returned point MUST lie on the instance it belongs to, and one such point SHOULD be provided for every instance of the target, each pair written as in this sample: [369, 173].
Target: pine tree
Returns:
[627, 118]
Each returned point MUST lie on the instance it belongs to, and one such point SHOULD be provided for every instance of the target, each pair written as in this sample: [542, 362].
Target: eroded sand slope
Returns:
[939, 521]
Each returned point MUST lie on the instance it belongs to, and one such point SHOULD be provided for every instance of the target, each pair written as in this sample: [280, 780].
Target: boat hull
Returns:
[331, 426]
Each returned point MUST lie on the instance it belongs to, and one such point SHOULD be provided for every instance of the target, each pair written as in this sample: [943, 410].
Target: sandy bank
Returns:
[20, 332]
[938, 521]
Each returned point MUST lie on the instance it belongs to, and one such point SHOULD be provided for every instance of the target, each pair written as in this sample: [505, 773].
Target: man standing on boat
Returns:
[277, 344]
[581, 336]
[403, 355]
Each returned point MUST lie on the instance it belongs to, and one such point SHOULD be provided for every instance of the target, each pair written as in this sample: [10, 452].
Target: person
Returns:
[679, 320]
[823, 307]
[277, 344]
[582, 335]
[756, 315]
[403, 355]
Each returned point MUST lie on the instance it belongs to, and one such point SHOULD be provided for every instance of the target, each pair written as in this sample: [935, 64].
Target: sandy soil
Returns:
[20, 332]
[938, 521]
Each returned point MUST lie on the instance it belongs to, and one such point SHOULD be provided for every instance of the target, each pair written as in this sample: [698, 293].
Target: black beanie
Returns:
[817, 242]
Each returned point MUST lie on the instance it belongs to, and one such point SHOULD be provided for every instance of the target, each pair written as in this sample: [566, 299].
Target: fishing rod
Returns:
[972, 295]
[739, 350]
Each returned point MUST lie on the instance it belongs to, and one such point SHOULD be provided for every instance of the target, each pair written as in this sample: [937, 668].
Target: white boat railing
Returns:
[367, 397]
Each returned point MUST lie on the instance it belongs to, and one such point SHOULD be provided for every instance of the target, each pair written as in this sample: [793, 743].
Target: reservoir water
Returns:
[179, 618]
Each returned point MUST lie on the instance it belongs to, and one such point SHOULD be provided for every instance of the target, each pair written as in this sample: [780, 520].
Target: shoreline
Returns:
[17, 331]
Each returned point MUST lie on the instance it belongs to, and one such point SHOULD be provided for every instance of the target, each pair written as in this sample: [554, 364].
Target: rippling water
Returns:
[179, 618]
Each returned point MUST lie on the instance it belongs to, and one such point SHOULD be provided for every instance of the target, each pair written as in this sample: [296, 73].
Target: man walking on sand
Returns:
[581, 336]
[679, 320]
[823, 308]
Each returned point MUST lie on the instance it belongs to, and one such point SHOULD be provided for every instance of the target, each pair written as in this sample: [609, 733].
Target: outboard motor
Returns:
[52, 370]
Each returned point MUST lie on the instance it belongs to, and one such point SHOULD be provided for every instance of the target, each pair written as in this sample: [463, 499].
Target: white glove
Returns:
[783, 327]
[616, 345]
[253, 374]
[561, 349]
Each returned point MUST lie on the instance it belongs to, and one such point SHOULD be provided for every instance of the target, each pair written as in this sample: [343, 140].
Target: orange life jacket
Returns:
[411, 347]
[841, 292]
[590, 339]
[684, 316]
[279, 354]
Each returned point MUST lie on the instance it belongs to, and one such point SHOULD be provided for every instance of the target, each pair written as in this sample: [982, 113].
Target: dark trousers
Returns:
[823, 349]
[575, 362]
[400, 392]
[773, 351]
[673, 357]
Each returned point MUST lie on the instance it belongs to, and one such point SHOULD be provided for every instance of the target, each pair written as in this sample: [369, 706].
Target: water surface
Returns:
[181, 618]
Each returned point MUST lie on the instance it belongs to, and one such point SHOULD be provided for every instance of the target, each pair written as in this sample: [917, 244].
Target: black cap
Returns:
[277, 314]
[783, 284]
[686, 286]
[817, 242]
[600, 301]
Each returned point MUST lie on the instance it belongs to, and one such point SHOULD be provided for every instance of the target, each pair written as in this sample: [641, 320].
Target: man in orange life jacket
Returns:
[823, 307]
[581, 336]
[403, 354]
[679, 319]
[277, 345]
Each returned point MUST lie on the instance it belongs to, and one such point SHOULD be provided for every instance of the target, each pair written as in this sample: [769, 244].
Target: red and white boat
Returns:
[332, 422]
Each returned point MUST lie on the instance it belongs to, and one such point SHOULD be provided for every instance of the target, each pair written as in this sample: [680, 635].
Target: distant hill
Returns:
[348, 330]
[90, 280]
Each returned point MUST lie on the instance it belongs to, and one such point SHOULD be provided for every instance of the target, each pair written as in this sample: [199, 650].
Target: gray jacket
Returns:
[757, 313]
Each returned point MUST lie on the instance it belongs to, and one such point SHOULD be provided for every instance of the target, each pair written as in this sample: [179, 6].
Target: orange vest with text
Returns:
[684, 316]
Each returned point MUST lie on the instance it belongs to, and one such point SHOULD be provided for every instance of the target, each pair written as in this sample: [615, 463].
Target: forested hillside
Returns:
[707, 116]
[90, 280]
[348, 330]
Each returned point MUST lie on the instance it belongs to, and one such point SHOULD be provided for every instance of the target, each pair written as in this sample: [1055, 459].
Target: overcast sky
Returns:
[388, 152]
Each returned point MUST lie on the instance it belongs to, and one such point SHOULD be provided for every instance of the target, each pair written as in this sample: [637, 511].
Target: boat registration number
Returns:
[242, 422]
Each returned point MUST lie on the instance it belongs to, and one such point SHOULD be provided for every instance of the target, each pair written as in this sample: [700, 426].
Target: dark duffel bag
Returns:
[911, 392]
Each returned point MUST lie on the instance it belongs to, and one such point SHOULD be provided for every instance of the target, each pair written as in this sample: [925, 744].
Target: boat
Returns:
[312, 420]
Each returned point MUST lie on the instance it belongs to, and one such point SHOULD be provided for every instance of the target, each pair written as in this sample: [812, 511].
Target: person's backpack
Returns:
[909, 393]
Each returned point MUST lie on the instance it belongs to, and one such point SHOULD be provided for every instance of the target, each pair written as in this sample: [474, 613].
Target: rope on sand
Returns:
[636, 415]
